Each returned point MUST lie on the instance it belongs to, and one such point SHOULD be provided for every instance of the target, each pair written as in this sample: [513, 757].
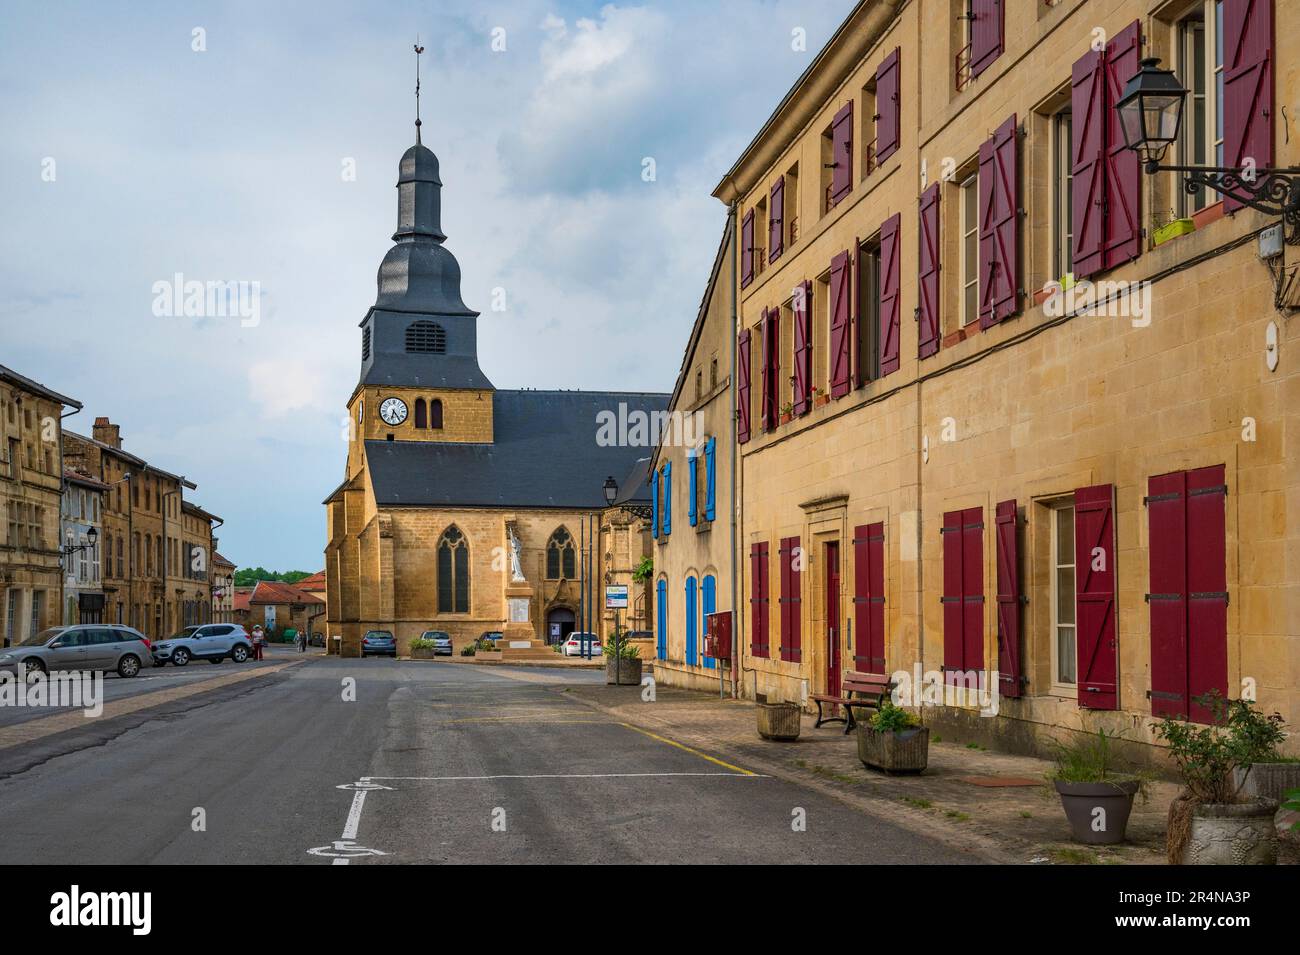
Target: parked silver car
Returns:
[442, 646]
[91, 646]
[212, 641]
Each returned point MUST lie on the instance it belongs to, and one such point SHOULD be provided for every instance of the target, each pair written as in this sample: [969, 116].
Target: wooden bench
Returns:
[871, 689]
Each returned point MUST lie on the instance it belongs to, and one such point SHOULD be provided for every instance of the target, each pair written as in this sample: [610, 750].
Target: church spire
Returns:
[418, 50]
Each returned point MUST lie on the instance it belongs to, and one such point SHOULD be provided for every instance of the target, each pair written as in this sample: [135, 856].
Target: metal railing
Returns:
[961, 67]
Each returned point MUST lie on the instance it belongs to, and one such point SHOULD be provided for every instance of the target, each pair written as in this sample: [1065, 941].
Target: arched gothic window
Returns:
[435, 414]
[421, 414]
[453, 572]
[560, 556]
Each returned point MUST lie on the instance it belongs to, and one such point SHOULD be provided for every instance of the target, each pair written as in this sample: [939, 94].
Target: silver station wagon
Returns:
[90, 646]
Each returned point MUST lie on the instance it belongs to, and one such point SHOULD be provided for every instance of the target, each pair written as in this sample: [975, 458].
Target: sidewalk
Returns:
[993, 804]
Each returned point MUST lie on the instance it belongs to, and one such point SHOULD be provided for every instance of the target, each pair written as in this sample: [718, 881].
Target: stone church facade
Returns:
[461, 500]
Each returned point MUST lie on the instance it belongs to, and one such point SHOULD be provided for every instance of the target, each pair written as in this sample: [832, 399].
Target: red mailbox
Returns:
[717, 635]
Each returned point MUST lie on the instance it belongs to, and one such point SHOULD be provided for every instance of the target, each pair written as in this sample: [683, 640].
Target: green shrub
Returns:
[419, 643]
[890, 718]
[1207, 755]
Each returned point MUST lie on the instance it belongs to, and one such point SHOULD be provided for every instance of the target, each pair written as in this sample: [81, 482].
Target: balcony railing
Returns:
[794, 229]
[961, 67]
[869, 163]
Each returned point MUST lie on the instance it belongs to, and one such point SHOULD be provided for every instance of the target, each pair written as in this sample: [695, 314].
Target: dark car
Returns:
[491, 636]
[379, 643]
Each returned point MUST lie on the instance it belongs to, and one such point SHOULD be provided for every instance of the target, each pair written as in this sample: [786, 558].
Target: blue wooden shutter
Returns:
[709, 600]
[692, 622]
[710, 479]
[668, 498]
[654, 504]
[693, 486]
[661, 619]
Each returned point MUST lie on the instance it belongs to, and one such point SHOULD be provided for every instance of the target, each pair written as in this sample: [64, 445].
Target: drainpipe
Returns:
[63, 491]
[736, 628]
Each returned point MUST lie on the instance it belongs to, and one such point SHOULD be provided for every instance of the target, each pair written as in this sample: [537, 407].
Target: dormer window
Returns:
[427, 338]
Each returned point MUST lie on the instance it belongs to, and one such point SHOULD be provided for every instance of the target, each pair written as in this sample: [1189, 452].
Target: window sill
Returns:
[703, 527]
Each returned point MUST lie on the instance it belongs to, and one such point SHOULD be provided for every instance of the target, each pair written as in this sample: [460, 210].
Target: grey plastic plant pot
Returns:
[1098, 812]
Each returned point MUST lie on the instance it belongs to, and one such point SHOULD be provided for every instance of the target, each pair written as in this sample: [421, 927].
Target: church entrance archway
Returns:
[560, 622]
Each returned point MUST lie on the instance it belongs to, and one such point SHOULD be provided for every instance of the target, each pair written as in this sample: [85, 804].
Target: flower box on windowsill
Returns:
[1203, 217]
[786, 416]
[1172, 230]
[820, 400]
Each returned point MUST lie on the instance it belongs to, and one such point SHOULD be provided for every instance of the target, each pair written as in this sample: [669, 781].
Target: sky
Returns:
[258, 143]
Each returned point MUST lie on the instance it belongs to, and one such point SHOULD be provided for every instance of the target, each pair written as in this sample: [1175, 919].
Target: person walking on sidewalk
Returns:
[259, 638]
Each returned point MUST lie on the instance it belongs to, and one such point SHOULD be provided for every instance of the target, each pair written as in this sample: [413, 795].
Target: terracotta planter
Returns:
[622, 672]
[786, 416]
[1266, 780]
[821, 400]
[1240, 833]
[894, 751]
[1098, 812]
[779, 721]
[1211, 213]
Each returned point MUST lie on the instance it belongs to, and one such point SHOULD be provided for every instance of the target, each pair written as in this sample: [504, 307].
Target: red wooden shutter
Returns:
[758, 600]
[927, 310]
[1009, 603]
[791, 620]
[972, 588]
[842, 153]
[999, 194]
[1247, 85]
[963, 589]
[776, 221]
[890, 300]
[1095, 603]
[887, 112]
[869, 598]
[840, 295]
[747, 249]
[742, 388]
[1189, 590]
[771, 366]
[1087, 165]
[1167, 554]
[985, 34]
[1207, 587]
[803, 346]
[1122, 225]
[854, 344]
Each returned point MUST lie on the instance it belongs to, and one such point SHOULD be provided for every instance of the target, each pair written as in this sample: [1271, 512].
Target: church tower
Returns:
[420, 378]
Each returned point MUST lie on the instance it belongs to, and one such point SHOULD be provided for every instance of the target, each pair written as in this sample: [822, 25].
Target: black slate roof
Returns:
[544, 454]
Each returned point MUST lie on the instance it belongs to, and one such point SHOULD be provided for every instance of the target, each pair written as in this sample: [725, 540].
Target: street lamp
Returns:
[611, 490]
[1150, 115]
[92, 535]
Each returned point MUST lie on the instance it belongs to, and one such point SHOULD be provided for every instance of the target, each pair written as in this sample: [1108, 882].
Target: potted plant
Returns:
[1212, 823]
[787, 412]
[779, 721]
[422, 649]
[894, 740]
[820, 397]
[1271, 774]
[622, 660]
[1096, 797]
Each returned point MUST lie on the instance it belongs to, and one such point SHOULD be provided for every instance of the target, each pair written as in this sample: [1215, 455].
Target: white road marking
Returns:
[454, 779]
[354, 815]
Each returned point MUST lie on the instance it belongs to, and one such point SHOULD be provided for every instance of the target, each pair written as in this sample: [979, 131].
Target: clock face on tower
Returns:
[393, 411]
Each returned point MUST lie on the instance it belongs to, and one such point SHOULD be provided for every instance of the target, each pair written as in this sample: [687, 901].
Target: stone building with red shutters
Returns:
[1011, 411]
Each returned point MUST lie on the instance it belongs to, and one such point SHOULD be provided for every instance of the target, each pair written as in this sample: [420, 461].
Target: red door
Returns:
[833, 618]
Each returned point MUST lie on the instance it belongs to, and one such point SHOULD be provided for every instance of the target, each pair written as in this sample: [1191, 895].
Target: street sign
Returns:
[616, 597]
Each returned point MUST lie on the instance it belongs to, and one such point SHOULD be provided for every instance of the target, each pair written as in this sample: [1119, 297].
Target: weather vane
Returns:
[418, 50]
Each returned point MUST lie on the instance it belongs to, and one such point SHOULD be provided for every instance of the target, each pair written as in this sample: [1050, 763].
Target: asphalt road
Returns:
[429, 763]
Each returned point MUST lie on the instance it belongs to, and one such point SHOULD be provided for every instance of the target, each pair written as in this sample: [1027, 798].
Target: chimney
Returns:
[107, 433]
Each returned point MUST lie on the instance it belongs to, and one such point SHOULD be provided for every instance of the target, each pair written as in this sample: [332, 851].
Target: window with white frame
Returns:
[1064, 659]
[970, 242]
[1062, 183]
[1199, 61]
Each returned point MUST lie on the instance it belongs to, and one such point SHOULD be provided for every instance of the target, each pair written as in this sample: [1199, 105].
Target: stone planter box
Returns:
[779, 721]
[422, 654]
[1082, 801]
[626, 673]
[895, 751]
[1240, 833]
[1266, 780]
[487, 655]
